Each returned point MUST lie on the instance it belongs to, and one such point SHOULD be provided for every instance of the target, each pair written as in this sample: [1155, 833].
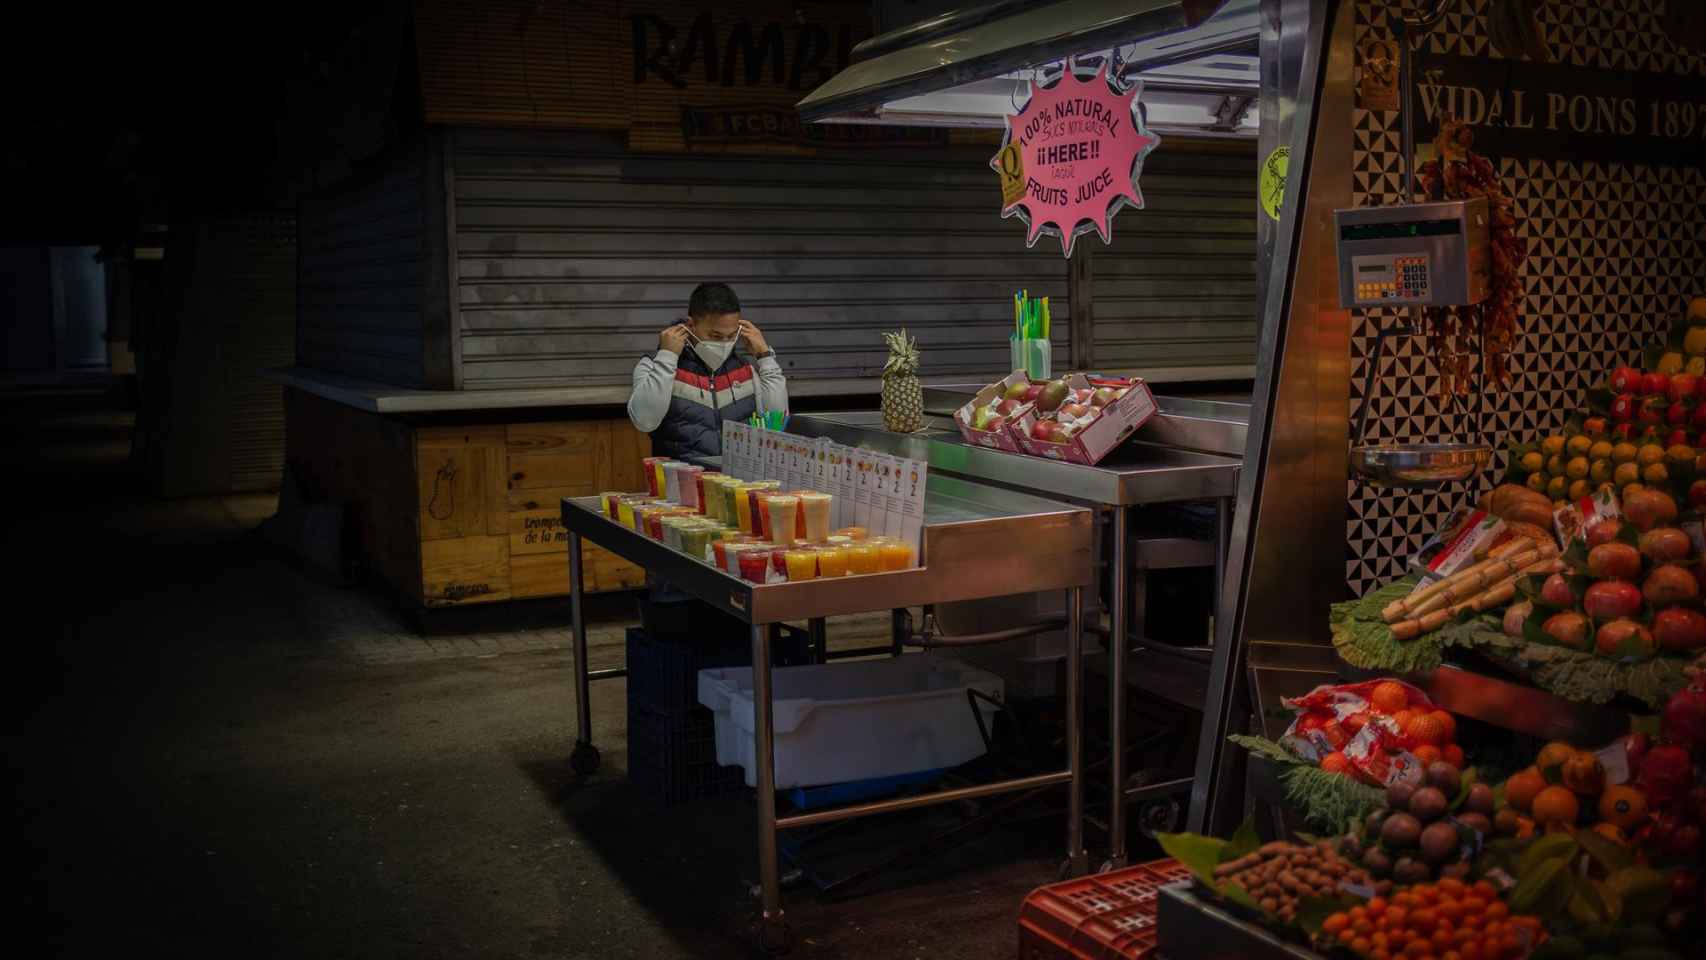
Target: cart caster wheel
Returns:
[771, 935]
[585, 759]
[1159, 816]
[789, 880]
[1074, 866]
[1111, 864]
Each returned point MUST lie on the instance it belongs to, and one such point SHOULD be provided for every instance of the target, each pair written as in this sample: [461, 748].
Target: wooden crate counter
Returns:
[465, 513]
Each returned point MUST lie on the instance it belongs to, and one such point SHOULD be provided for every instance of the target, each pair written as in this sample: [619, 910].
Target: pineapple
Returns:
[903, 397]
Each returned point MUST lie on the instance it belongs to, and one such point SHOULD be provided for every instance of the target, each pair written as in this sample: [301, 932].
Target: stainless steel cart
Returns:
[979, 542]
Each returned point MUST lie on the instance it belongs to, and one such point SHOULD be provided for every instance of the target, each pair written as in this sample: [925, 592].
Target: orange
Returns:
[1610, 831]
[1453, 754]
[1448, 723]
[1623, 806]
[1428, 753]
[1524, 828]
[1389, 696]
[1335, 762]
[1553, 806]
[1523, 787]
[1554, 754]
[1584, 774]
[1426, 727]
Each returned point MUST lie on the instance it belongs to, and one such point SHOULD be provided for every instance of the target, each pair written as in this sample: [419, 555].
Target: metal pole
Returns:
[765, 737]
[1076, 859]
[1118, 644]
[819, 639]
[924, 800]
[584, 759]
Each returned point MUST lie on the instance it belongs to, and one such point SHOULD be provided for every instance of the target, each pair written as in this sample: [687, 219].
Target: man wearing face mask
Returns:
[697, 379]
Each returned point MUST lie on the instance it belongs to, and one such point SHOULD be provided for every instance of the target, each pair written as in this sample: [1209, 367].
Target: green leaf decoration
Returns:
[1643, 891]
[1329, 799]
[1629, 533]
[1364, 640]
[1609, 855]
[1576, 675]
[1263, 747]
[1198, 853]
[1244, 840]
[1465, 781]
[1557, 846]
[1237, 894]
[1544, 890]
[1586, 905]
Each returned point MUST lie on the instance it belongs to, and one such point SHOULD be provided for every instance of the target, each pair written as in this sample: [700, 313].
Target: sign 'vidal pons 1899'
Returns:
[1071, 157]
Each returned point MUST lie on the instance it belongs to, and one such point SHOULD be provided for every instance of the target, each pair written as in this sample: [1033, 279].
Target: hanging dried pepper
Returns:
[1457, 335]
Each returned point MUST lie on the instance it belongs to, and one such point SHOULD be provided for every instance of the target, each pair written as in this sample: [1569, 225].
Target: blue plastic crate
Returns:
[856, 791]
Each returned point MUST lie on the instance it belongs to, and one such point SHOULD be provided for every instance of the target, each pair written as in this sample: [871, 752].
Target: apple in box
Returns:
[986, 418]
[1096, 430]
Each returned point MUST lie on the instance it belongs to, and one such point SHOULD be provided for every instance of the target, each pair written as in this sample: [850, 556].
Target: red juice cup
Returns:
[754, 565]
[779, 560]
[761, 512]
[652, 473]
[698, 488]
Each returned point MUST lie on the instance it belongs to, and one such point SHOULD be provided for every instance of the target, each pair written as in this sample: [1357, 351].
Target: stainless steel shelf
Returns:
[979, 541]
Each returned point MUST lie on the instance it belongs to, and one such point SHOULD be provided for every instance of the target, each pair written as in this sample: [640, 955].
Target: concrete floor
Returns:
[214, 753]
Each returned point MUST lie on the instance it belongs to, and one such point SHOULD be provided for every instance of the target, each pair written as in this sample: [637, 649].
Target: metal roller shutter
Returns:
[571, 255]
[1176, 291]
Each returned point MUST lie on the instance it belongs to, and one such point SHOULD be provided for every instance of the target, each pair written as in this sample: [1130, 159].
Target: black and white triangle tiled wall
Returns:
[1614, 251]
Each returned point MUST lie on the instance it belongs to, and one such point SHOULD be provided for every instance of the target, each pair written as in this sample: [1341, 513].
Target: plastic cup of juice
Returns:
[672, 481]
[650, 466]
[784, 511]
[814, 509]
[715, 500]
[742, 500]
[863, 557]
[670, 528]
[607, 504]
[754, 563]
[761, 512]
[851, 533]
[779, 560]
[660, 487]
[832, 561]
[894, 554]
[692, 488]
[802, 563]
[625, 513]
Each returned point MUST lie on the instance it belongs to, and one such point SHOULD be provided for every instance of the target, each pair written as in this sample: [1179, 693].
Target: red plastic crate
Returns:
[1110, 915]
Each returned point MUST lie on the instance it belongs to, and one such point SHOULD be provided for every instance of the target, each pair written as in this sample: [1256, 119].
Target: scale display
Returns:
[1418, 254]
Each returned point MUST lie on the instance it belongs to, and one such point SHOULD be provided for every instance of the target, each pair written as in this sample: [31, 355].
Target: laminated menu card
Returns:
[914, 480]
[840, 468]
[864, 484]
[885, 509]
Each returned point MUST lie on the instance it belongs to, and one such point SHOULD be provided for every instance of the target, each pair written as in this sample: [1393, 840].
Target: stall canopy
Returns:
[970, 68]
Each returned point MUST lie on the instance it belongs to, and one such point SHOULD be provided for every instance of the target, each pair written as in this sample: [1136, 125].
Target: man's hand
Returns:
[673, 338]
[753, 338]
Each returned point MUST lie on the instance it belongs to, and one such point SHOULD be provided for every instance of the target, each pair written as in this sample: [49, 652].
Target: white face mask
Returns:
[713, 352]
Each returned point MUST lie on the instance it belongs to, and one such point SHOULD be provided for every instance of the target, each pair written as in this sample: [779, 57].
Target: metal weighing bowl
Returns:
[1420, 464]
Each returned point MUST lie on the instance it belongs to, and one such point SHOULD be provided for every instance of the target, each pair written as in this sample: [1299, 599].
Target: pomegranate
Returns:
[1625, 431]
[1665, 545]
[1666, 774]
[1635, 747]
[1655, 384]
[1676, 414]
[1698, 419]
[1625, 380]
[1678, 438]
[1646, 509]
[1682, 386]
[1612, 600]
[1697, 489]
[1604, 531]
[1556, 592]
[1569, 629]
[1651, 412]
[1623, 408]
[1684, 718]
[1679, 629]
[1669, 585]
[1614, 561]
[1625, 638]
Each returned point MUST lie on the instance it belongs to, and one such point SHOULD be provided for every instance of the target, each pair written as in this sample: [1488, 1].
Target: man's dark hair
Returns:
[710, 298]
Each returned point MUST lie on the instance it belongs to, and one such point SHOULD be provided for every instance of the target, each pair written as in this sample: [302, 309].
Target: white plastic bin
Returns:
[837, 722]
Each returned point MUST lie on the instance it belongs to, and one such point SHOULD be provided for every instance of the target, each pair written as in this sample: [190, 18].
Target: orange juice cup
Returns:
[832, 561]
[894, 554]
[814, 515]
[863, 557]
[801, 562]
[851, 533]
[742, 504]
[783, 510]
[625, 513]
[658, 477]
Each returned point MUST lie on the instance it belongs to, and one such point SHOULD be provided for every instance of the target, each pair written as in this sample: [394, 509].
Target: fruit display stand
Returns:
[1137, 474]
[971, 550]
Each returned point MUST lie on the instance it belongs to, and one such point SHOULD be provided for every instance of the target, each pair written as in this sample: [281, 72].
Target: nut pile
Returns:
[1280, 875]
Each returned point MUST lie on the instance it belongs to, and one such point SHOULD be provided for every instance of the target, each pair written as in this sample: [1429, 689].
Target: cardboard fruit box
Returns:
[1117, 421]
[1006, 437]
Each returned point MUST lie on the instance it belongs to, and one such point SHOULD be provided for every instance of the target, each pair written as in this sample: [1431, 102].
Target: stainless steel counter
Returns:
[1137, 473]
